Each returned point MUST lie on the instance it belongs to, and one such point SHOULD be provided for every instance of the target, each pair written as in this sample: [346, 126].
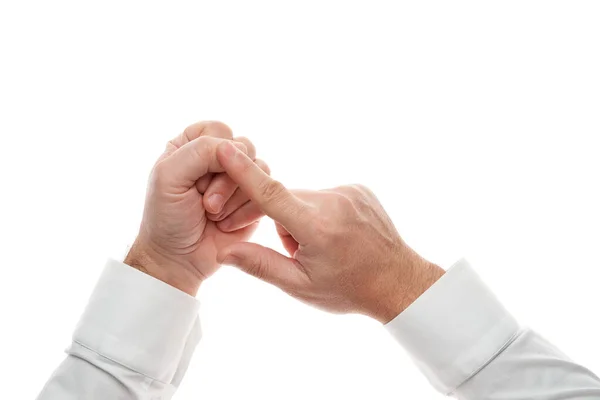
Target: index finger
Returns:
[191, 162]
[270, 195]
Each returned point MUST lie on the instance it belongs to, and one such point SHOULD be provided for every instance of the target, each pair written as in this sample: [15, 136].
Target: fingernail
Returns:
[215, 202]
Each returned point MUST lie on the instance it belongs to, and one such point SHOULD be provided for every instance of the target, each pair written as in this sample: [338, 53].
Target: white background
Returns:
[476, 124]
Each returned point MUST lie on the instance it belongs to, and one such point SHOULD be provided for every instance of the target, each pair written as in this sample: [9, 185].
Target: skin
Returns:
[345, 253]
[205, 196]
[177, 242]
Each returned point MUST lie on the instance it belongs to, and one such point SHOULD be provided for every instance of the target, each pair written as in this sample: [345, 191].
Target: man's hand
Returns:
[177, 243]
[346, 255]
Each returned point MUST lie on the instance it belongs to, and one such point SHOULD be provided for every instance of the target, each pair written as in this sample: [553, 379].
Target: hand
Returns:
[346, 255]
[177, 243]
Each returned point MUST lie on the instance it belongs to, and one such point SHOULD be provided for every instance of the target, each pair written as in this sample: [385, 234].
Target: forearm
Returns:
[134, 340]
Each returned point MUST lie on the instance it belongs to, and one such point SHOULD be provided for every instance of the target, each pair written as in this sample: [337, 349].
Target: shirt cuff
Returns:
[455, 328]
[139, 322]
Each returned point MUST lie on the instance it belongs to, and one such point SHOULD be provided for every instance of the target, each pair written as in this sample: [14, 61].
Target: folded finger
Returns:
[190, 162]
[242, 217]
[227, 195]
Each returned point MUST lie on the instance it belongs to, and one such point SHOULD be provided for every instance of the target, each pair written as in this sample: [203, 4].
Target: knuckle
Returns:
[222, 183]
[354, 190]
[271, 190]
[331, 222]
[263, 165]
[366, 192]
[217, 217]
[320, 227]
[190, 132]
[171, 146]
[323, 222]
[207, 128]
[212, 217]
[359, 195]
[341, 200]
[218, 129]
[255, 268]
[247, 142]
[361, 188]
[202, 147]
[158, 176]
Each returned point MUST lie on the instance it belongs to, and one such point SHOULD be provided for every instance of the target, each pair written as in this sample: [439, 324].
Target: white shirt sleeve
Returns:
[470, 347]
[134, 340]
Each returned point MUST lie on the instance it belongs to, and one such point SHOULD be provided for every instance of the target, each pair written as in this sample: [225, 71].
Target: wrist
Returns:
[173, 272]
[411, 277]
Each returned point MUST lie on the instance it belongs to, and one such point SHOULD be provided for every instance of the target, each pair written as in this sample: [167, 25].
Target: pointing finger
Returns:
[270, 195]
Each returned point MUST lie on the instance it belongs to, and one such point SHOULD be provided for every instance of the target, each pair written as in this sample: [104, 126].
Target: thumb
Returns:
[264, 263]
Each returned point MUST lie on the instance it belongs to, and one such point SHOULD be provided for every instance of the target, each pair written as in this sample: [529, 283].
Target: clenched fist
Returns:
[177, 243]
[346, 255]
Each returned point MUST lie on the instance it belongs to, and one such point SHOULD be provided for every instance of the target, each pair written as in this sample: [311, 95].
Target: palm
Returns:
[181, 226]
[212, 241]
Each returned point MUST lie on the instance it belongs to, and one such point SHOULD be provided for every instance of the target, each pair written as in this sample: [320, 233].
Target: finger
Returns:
[265, 264]
[203, 183]
[289, 243]
[270, 195]
[243, 216]
[222, 187]
[249, 145]
[246, 214]
[193, 132]
[204, 128]
[219, 191]
[243, 234]
[192, 161]
[238, 199]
